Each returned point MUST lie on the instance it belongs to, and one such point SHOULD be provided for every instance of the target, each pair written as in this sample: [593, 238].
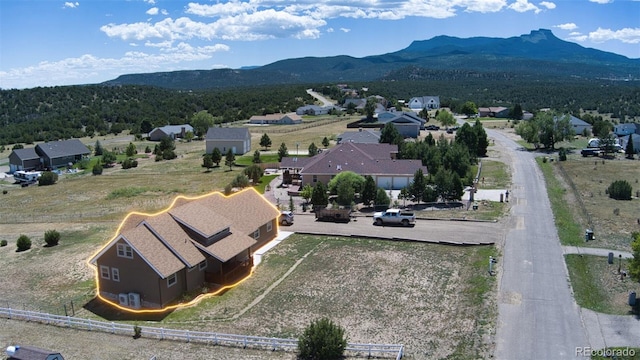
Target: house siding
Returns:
[135, 275]
[265, 236]
[224, 146]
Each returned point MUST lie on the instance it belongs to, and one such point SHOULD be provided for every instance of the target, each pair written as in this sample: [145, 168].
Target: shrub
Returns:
[3, 243]
[620, 190]
[52, 237]
[562, 155]
[322, 339]
[23, 243]
[129, 163]
[137, 331]
[97, 169]
[5, 192]
[48, 178]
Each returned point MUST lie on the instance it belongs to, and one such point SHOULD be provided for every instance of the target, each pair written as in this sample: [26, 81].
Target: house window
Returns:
[269, 226]
[256, 234]
[202, 265]
[315, 178]
[104, 272]
[171, 280]
[125, 251]
[115, 274]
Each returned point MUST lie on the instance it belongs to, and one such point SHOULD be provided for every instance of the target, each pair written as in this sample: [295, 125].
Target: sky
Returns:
[51, 43]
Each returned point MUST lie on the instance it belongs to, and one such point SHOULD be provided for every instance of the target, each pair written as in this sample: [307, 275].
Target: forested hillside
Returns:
[43, 114]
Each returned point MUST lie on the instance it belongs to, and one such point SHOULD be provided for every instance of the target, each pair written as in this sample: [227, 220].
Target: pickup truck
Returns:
[590, 152]
[286, 218]
[394, 217]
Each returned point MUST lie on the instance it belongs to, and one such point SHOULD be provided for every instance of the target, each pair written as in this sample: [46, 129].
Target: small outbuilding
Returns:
[31, 353]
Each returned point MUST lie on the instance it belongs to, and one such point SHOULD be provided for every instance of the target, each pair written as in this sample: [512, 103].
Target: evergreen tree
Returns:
[634, 264]
[98, 149]
[207, 162]
[319, 197]
[369, 189]
[201, 122]
[322, 339]
[517, 113]
[282, 152]
[306, 192]
[131, 150]
[325, 142]
[389, 134]
[446, 118]
[229, 159]
[254, 172]
[313, 149]
[216, 156]
[265, 141]
[382, 199]
[417, 186]
[256, 157]
[483, 141]
[629, 150]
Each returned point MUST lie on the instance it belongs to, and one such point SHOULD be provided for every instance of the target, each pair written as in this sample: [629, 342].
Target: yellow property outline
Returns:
[198, 298]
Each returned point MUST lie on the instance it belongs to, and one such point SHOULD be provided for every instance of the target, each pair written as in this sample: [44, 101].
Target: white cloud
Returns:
[345, 30]
[577, 37]
[548, 5]
[626, 35]
[567, 26]
[220, 9]
[524, 6]
[71, 5]
[150, 2]
[88, 68]
[152, 11]
[164, 12]
[601, 1]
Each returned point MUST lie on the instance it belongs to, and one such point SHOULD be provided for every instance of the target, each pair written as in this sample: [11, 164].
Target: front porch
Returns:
[230, 272]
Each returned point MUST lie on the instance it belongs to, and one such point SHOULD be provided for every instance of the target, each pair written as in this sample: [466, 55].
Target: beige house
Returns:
[236, 139]
[276, 119]
[155, 259]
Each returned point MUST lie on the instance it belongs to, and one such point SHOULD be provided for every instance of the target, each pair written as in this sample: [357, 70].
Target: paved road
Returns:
[435, 231]
[322, 99]
[538, 317]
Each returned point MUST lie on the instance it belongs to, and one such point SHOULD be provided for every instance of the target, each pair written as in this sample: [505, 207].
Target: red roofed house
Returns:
[377, 160]
[155, 259]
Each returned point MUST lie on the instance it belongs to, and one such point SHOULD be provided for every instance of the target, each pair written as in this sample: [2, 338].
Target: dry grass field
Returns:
[433, 299]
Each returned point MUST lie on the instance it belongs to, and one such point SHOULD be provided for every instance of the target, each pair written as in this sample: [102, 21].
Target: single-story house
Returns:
[314, 110]
[55, 154]
[225, 138]
[493, 111]
[24, 159]
[408, 125]
[579, 126]
[377, 160]
[155, 259]
[276, 119]
[626, 129]
[19, 352]
[172, 131]
[367, 136]
[49, 155]
[424, 102]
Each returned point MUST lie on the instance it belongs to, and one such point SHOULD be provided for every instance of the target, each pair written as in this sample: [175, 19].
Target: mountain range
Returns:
[538, 55]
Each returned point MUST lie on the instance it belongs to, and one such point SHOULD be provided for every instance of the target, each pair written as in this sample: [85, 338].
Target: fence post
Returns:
[369, 350]
[161, 333]
[65, 309]
[10, 314]
[245, 342]
[188, 337]
[113, 328]
[273, 343]
[73, 310]
[68, 321]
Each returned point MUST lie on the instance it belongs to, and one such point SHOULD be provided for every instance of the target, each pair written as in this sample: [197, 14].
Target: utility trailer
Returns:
[335, 215]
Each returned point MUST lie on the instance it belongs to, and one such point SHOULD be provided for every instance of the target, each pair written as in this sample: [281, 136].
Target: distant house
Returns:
[31, 353]
[362, 136]
[172, 131]
[494, 111]
[276, 119]
[377, 160]
[424, 102]
[225, 138]
[155, 259]
[314, 110]
[626, 129]
[49, 155]
[24, 159]
[579, 126]
[408, 124]
[55, 154]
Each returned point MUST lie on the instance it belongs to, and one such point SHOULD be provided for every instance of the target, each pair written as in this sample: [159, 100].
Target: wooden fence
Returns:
[209, 338]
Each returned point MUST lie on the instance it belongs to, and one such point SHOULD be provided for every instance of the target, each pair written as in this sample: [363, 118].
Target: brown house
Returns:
[155, 259]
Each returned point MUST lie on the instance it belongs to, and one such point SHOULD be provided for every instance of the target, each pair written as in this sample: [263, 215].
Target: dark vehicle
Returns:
[432, 127]
[590, 152]
[451, 130]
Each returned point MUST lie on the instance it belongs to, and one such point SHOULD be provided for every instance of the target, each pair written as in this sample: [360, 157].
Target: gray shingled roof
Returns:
[26, 154]
[227, 133]
[58, 149]
[364, 159]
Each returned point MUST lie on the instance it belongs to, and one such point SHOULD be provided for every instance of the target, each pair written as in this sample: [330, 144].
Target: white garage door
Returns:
[400, 182]
[385, 182]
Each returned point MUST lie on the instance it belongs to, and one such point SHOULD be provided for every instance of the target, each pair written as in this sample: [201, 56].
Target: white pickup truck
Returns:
[394, 217]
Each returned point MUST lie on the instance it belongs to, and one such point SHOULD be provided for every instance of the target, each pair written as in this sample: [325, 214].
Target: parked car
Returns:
[394, 217]
[590, 152]
[451, 130]
[335, 215]
[432, 127]
[286, 218]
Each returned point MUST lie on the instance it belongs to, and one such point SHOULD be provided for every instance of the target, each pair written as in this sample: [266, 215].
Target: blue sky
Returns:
[48, 42]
